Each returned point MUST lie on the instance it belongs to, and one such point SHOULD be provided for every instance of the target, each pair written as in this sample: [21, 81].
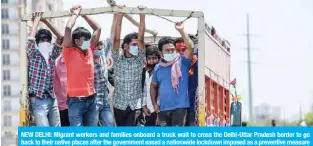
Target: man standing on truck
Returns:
[153, 57]
[170, 79]
[193, 78]
[60, 89]
[128, 73]
[41, 67]
[78, 53]
[101, 83]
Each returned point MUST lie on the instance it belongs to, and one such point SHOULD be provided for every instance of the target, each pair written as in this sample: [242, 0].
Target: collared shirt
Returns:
[146, 98]
[101, 81]
[127, 80]
[80, 71]
[60, 83]
[41, 74]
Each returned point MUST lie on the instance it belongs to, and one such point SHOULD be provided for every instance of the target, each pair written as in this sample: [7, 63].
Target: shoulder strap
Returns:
[143, 80]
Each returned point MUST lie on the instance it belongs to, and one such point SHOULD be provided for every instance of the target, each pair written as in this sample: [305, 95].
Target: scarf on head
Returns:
[175, 72]
[192, 66]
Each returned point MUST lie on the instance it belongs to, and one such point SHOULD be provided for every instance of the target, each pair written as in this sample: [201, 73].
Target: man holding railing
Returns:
[170, 80]
[127, 100]
[41, 67]
[78, 53]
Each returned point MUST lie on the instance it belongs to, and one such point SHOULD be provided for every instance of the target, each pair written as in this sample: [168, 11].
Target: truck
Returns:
[213, 53]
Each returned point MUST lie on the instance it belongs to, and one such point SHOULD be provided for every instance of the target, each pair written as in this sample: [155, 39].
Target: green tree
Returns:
[308, 118]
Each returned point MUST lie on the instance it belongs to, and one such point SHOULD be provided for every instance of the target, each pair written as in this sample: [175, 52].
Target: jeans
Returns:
[82, 111]
[105, 114]
[176, 117]
[45, 111]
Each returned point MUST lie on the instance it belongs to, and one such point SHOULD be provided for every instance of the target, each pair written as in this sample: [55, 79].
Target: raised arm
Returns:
[189, 45]
[118, 28]
[70, 23]
[141, 33]
[57, 48]
[36, 20]
[30, 46]
[113, 27]
[55, 31]
[96, 29]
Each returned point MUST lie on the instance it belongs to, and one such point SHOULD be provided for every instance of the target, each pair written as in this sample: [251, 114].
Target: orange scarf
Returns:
[192, 66]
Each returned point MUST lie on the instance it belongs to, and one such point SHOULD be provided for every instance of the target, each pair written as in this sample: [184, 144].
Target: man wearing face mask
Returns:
[127, 98]
[152, 56]
[102, 91]
[193, 78]
[41, 67]
[78, 53]
[170, 79]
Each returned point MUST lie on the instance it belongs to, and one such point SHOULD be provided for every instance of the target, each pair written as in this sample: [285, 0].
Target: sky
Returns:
[282, 42]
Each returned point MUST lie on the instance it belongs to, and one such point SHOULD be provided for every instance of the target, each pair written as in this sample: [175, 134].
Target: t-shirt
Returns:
[60, 83]
[80, 71]
[170, 99]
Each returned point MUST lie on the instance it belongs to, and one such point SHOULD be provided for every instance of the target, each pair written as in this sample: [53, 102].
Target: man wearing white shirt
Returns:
[152, 56]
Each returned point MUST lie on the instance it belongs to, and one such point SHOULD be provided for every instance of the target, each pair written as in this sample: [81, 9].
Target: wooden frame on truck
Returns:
[110, 10]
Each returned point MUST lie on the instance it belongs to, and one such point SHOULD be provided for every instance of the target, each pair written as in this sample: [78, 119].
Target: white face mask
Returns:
[170, 57]
[85, 45]
[44, 48]
[134, 50]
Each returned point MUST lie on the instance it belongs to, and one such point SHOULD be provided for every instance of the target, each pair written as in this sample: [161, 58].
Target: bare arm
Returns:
[118, 30]
[141, 33]
[189, 44]
[55, 31]
[113, 27]
[70, 23]
[154, 94]
[36, 19]
[30, 46]
[96, 29]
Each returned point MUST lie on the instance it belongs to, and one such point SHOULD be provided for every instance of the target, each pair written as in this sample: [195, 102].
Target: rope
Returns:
[190, 15]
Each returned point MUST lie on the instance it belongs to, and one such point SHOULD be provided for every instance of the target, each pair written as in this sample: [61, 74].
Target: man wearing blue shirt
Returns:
[193, 78]
[170, 80]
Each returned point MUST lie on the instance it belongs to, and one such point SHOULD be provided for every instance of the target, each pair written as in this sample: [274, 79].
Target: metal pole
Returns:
[201, 71]
[249, 72]
[23, 75]
[126, 10]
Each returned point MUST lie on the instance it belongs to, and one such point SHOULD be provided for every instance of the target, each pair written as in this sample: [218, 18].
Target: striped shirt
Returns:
[101, 81]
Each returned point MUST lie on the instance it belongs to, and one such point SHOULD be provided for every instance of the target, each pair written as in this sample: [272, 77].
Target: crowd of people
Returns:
[154, 85]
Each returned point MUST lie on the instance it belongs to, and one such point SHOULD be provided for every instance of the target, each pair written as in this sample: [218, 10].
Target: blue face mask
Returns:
[170, 57]
[85, 45]
[97, 52]
[133, 50]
